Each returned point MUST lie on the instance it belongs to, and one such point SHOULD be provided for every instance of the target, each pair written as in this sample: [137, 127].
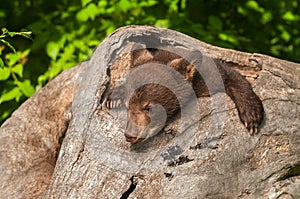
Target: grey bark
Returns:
[214, 157]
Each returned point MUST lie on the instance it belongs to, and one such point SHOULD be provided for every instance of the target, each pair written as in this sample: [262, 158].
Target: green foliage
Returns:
[65, 32]
[13, 86]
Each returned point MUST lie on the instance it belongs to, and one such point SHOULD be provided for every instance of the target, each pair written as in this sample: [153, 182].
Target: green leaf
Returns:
[26, 88]
[110, 30]
[254, 6]
[90, 12]
[85, 2]
[1, 62]
[162, 23]
[215, 22]
[223, 37]
[42, 79]
[82, 15]
[2, 14]
[4, 31]
[5, 113]
[4, 73]
[25, 53]
[124, 5]
[289, 16]
[148, 3]
[14, 93]
[52, 49]
[11, 34]
[18, 69]
[198, 28]
[285, 36]
[173, 6]
[68, 52]
[92, 9]
[266, 17]
[56, 68]
[13, 58]
[241, 10]
[183, 4]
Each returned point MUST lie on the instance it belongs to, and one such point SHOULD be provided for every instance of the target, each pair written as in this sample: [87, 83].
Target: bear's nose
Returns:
[132, 139]
[129, 138]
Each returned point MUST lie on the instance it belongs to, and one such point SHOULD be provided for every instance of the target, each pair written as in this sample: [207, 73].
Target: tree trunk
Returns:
[214, 157]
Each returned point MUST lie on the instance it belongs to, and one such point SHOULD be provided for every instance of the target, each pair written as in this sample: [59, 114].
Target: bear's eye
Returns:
[149, 109]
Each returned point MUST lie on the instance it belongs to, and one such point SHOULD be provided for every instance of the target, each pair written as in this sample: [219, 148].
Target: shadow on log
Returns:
[62, 142]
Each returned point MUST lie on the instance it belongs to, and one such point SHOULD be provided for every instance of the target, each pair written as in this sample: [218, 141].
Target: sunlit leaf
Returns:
[4, 73]
[42, 79]
[289, 16]
[68, 52]
[92, 9]
[85, 2]
[52, 50]
[11, 34]
[274, 40]
[5, 113]
[266, 17]
[162, 23]
[18, 69]
[285, 36]
[13, 58]
[14, 93]
[1, 62]
[173, 6]
[241, 10]
[183, 4]
[149, 3]
[125, 5]
[102, 3]
[25, 53]
[110, 30]
[26, 88]
[254, 6]
[82, 15]
[4, 31]
[56, 68]
[89, 12]
[223, 36]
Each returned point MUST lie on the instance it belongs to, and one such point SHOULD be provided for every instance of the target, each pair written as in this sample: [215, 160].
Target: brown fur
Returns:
[147, 103]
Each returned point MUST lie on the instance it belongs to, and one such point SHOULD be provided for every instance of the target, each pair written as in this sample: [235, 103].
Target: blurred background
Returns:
[41, 38]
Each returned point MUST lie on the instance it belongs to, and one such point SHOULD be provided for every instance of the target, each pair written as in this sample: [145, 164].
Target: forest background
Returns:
[41, 38]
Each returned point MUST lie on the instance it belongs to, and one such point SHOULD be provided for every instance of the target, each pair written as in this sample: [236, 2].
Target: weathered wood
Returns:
[208, 160]
[29, 139]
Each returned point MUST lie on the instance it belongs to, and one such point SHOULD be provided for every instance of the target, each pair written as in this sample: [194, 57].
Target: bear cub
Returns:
[152, 105]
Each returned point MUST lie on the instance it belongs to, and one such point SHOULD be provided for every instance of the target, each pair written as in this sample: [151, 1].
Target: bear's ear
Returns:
[179, 65]
[186, 69]
[140, 56]
[194, 59]
[190, 73]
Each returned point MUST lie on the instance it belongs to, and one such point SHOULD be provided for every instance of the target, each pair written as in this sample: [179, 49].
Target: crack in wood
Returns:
[207, 143]
[131, 188]
[181, 160]
[169, 176]
[292, 172]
